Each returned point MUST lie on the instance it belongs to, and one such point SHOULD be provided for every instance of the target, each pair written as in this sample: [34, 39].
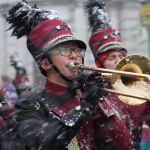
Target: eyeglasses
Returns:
[67, 51]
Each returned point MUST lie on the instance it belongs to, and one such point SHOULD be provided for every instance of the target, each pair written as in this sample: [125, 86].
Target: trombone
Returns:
[130, 69]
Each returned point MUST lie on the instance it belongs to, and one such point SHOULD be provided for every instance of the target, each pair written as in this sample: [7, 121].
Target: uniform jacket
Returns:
[56, 118]
[132, 116]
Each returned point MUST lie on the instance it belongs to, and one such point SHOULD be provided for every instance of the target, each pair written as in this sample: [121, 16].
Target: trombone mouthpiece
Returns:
[72, 66]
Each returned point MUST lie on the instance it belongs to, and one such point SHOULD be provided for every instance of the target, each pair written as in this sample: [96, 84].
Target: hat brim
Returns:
[112, 47]
[62, 40]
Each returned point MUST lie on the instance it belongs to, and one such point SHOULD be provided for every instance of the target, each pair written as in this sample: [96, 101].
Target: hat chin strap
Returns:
[97, 58]
[56, 69]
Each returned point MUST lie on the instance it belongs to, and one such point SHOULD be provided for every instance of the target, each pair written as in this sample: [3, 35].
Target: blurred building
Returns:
[124, 15]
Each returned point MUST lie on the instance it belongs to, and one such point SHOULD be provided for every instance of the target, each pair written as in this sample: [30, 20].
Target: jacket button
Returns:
[78, 107]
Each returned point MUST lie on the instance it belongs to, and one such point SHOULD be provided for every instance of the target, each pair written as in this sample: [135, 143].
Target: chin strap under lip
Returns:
[55, 68]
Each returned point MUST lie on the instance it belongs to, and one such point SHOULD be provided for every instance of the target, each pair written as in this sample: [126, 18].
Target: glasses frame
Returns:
[72, 49]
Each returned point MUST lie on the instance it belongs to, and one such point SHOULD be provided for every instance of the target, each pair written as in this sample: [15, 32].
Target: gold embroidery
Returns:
[117, 113]
[108, 44]
[61, 36]
[73, 145]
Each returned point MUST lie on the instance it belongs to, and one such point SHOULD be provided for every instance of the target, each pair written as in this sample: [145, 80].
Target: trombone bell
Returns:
[126, 80]
[137, 85]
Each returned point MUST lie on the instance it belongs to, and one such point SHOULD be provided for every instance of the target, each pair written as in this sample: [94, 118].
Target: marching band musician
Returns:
[59, 117]
[21, 80]
[9, 139]
[107, 49]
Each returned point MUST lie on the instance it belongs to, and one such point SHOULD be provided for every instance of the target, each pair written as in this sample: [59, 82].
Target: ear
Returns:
[46, 65]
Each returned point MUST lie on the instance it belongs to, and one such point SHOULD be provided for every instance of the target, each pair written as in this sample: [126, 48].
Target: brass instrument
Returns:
[137, 64]
[129, 70]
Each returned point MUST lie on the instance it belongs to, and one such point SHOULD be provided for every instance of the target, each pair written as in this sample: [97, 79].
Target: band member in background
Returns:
[21, 80]
[57, 117]
[107, 48]
[9, 139]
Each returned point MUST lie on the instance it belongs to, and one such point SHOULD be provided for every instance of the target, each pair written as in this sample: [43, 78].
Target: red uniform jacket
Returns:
[132, 116]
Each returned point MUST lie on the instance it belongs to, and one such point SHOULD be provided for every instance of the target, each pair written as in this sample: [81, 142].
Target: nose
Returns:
[73, 56]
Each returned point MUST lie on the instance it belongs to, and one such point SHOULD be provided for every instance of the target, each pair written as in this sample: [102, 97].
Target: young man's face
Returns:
[112, 59]
[61, 61]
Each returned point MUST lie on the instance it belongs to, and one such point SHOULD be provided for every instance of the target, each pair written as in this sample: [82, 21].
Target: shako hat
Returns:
[103, 37]
[44, 29]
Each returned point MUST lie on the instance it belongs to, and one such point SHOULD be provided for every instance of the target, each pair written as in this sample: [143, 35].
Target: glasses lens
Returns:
[80, 52]
[65, 51]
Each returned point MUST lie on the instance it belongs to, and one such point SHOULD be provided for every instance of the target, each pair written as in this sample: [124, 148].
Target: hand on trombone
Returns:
[89, 82]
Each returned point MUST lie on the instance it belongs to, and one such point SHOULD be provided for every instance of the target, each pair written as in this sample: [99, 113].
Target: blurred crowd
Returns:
[10, 91]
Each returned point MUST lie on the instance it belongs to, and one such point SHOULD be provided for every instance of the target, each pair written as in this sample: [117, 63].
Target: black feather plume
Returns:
[24, 17]
[98, 19]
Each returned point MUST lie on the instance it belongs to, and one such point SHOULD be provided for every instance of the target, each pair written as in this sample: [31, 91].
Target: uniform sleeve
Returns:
[40, 129]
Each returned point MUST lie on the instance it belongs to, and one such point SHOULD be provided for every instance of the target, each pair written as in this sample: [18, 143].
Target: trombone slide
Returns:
[124, 73]
[125, 94]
